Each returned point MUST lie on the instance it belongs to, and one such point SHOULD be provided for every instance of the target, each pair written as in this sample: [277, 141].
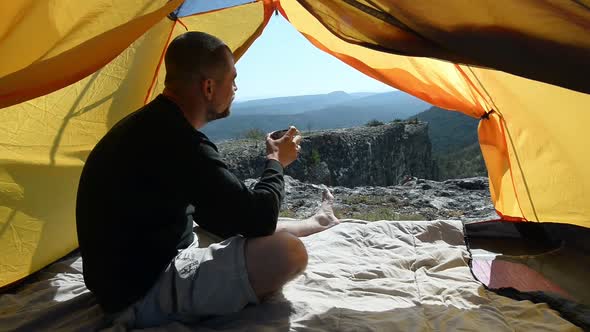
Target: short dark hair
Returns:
[193, 55]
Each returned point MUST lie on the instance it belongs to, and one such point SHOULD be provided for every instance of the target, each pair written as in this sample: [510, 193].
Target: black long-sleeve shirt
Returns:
[139, 191]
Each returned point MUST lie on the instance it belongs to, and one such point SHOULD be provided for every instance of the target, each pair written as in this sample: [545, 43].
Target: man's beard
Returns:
[212, 115]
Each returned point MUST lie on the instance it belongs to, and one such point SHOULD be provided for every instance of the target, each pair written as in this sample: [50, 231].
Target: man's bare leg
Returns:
[274, 260]
[322, 220]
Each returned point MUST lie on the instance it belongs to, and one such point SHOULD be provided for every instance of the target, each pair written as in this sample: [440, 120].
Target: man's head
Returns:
[200, 70]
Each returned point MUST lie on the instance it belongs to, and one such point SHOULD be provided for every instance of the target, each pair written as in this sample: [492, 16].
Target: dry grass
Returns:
[374, 214]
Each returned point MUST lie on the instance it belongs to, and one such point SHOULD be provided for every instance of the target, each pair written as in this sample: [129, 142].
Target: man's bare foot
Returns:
[323, 219]
[325, 215]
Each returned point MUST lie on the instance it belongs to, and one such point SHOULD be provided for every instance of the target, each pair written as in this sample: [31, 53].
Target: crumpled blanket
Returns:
[377, 276]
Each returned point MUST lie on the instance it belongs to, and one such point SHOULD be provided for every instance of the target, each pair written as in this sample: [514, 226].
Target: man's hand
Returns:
[284, 149]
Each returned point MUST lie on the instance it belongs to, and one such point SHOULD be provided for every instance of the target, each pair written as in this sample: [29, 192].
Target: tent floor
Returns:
[530, 258]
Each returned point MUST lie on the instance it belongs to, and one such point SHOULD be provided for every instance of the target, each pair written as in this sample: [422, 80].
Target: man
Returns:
[154, 173]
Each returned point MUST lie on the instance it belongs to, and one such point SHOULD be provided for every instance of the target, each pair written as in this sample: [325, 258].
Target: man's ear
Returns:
[207, 88]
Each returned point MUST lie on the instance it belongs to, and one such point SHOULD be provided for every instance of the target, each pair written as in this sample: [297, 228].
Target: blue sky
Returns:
[282, 62]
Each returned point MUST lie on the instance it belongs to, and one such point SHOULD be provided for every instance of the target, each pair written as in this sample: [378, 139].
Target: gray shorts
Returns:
[199, 282]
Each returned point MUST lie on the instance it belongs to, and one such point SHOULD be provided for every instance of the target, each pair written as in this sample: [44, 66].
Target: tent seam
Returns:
[472, 85]
[504, 132]
[157, 70]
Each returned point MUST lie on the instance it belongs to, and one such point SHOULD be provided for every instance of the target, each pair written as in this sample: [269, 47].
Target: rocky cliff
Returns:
[364, 156]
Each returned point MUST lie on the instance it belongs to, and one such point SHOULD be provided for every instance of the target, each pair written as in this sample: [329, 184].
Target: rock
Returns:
[362, 156]
[477, 183]
[375, 173]
[444, 200]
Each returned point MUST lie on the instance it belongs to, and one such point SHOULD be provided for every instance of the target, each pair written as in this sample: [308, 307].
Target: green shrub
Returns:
[374, 123]
[315, 157]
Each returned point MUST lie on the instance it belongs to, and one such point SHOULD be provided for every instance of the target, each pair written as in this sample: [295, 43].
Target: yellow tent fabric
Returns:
[49, 36]
[544, 129]
[43, 144]
[62, 94]
[44, 141]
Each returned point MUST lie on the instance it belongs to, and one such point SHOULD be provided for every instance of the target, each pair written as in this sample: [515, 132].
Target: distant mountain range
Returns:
[314, 112]
[453, 135]
[294, 104]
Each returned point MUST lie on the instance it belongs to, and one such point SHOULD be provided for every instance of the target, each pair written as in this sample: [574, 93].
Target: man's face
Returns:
[224, 93]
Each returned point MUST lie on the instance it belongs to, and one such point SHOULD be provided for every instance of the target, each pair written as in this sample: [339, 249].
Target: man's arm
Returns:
[225, 206]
